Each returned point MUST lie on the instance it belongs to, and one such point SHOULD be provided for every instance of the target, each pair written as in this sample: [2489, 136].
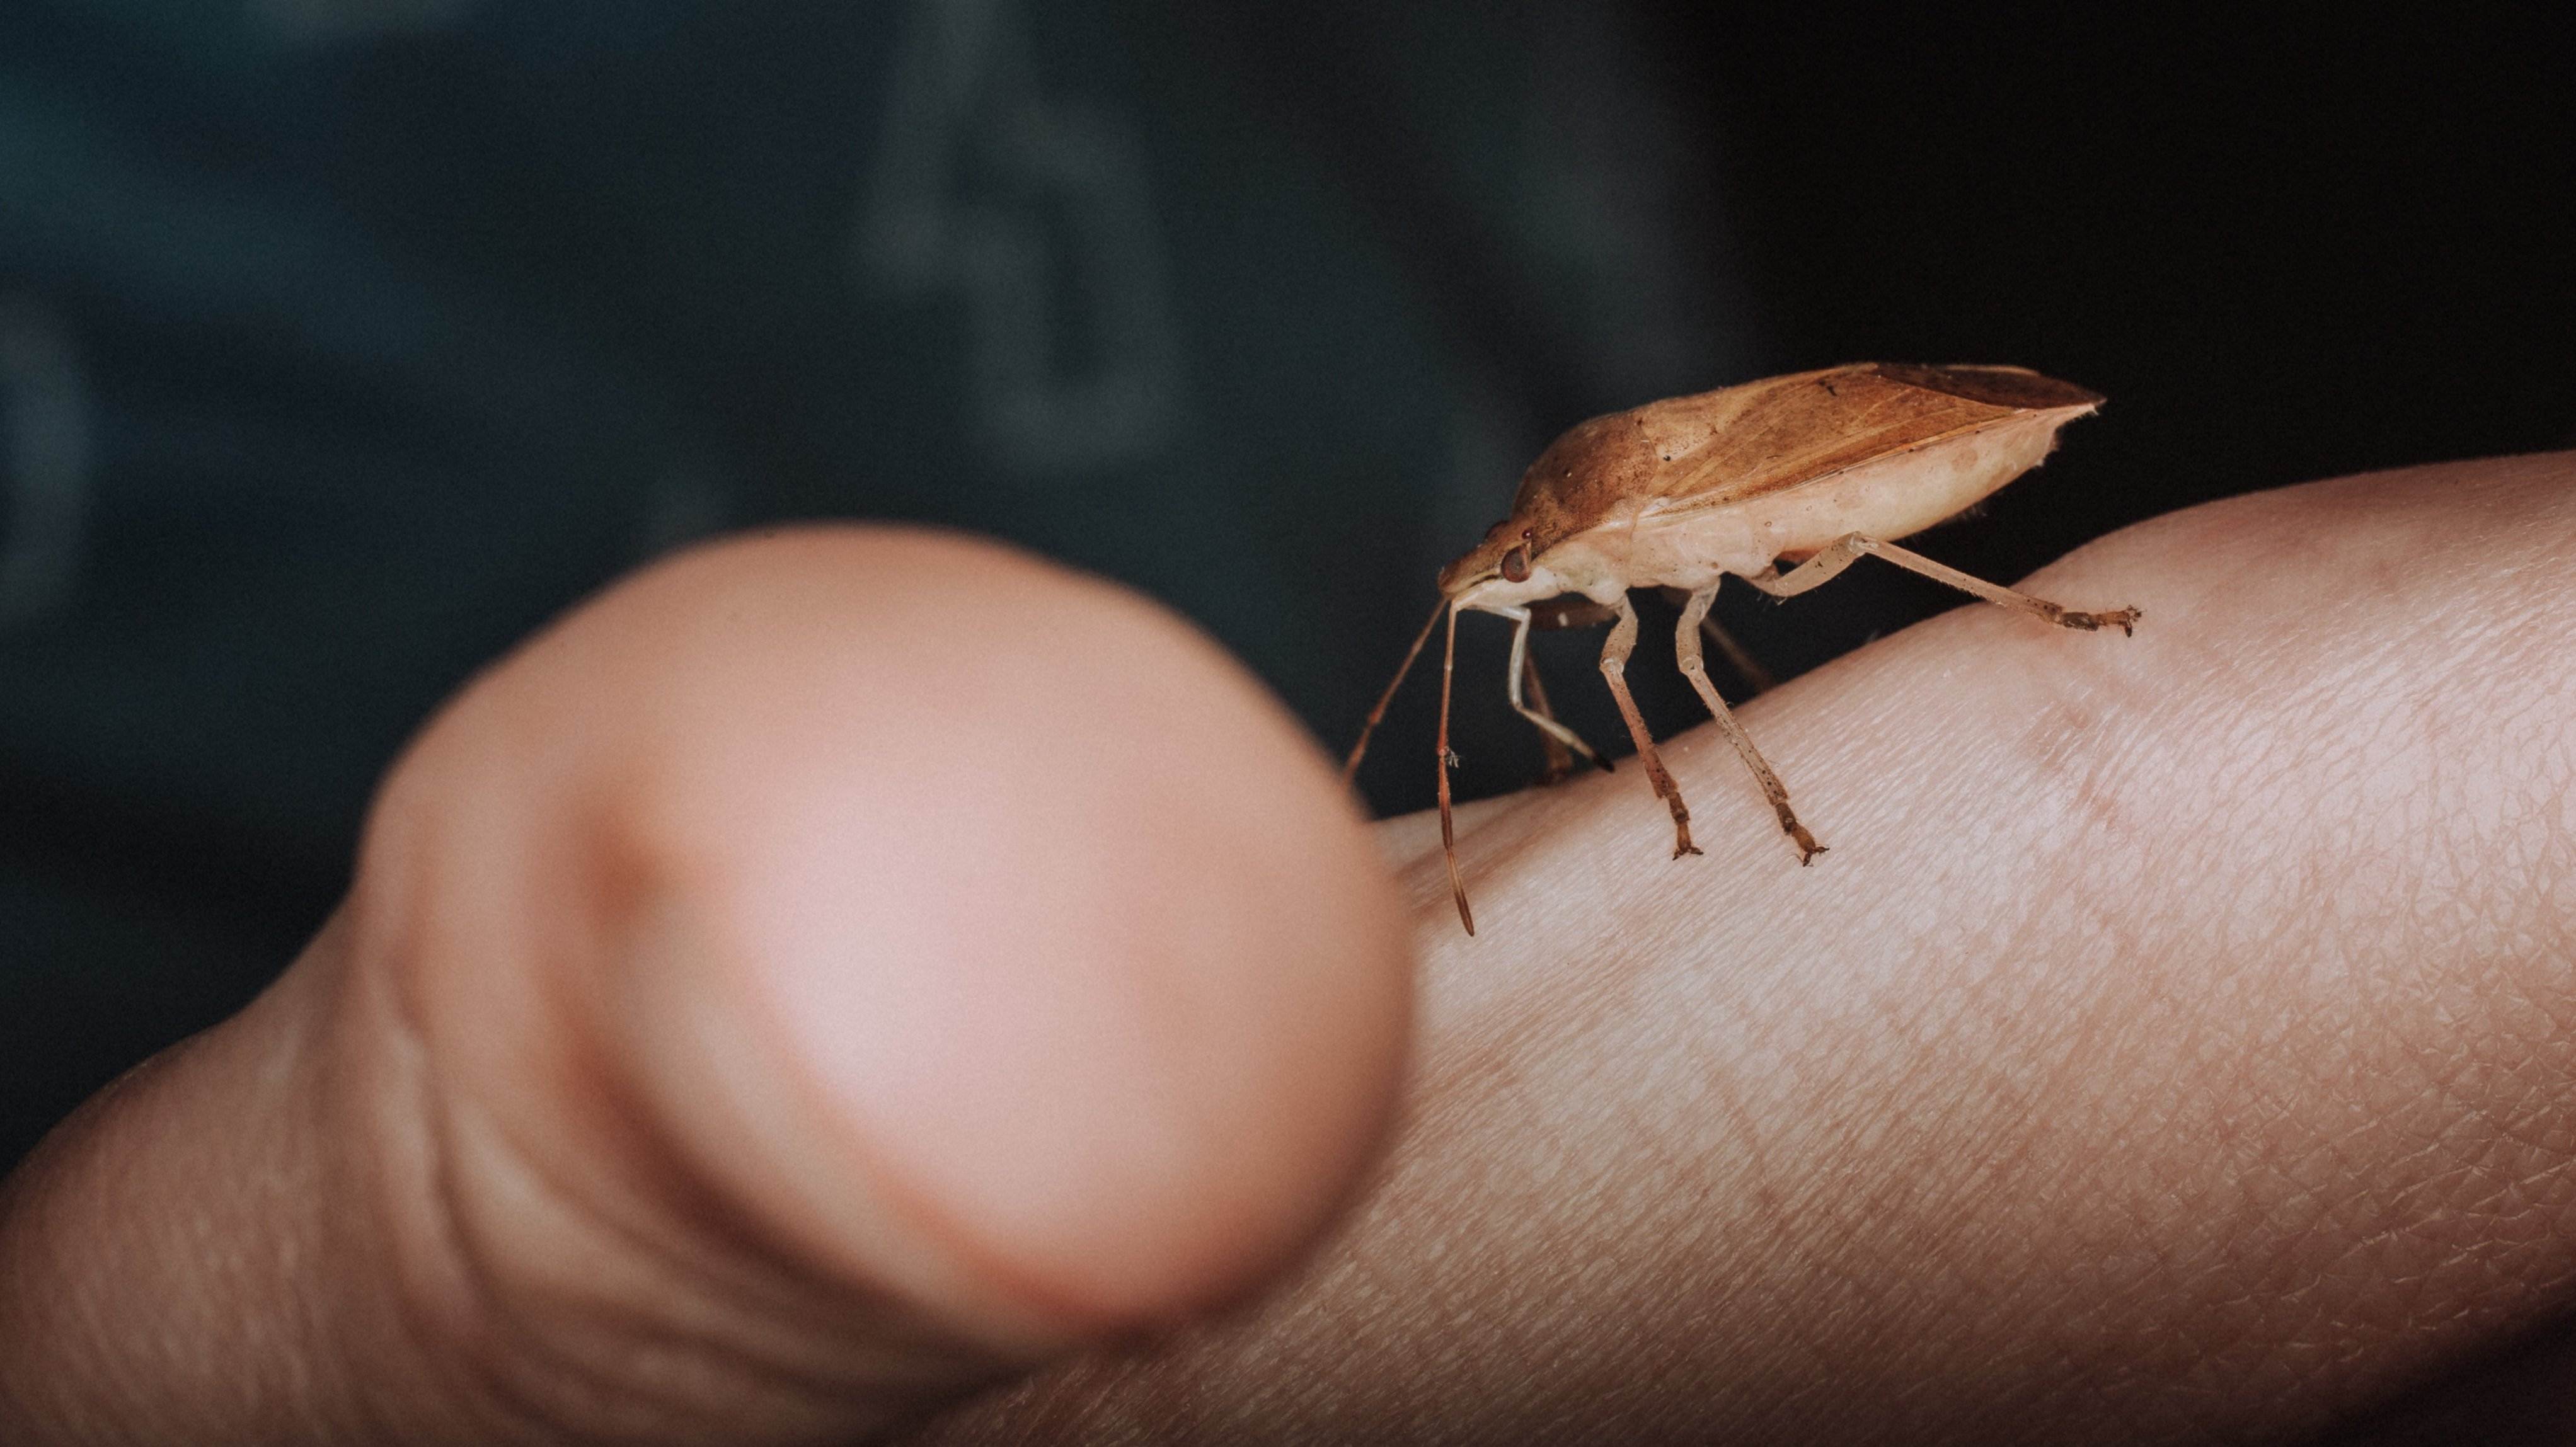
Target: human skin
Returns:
[2176, 1044]
[833, 970]
[2179, 1042]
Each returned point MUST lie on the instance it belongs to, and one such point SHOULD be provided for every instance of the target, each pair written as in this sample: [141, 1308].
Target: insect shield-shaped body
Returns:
[1814, 469]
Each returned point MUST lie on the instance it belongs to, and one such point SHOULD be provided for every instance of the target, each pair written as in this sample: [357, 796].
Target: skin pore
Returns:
[2177, 1043]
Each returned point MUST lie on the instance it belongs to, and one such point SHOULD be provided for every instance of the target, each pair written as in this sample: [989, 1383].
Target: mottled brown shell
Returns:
[1723, 447]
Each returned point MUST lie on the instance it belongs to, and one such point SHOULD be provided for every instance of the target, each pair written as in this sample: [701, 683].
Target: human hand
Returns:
[828, 973]
[2179, 1042]
[2173, 1045]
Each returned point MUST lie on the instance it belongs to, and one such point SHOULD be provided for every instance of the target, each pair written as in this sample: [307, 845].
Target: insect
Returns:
[1815, 470]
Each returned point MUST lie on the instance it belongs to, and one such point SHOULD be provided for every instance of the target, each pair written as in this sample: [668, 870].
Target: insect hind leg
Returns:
[1842, 551]
[1827, 565]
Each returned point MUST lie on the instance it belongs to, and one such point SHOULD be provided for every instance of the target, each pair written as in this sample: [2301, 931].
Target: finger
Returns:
[2175, 1045]
[825, 974]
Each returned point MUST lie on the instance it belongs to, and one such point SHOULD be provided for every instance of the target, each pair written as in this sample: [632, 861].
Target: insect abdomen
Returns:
[1904, 492]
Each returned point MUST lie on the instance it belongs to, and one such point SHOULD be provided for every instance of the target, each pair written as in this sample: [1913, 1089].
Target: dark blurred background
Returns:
[344, 341]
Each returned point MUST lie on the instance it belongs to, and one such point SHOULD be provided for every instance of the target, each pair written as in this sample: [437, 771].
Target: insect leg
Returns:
[1614, 670]
[1351, 766]
[1739, 658]
[1448, 761]
[1817, 571]
[1560, 759]
[1839, 555]
[1524, 673]
[1686, 649]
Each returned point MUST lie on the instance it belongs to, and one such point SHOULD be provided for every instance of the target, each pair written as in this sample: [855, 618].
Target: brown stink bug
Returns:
[1813, 469]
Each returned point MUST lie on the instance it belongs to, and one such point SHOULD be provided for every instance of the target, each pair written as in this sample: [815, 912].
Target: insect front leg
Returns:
[1686, 649]
[1839, 554]
[1524, 672]
[1614, 670]
[1448, 761]
[1377, 715]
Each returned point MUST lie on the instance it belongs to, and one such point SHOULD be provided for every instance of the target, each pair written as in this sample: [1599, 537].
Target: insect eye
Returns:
[1516, 564]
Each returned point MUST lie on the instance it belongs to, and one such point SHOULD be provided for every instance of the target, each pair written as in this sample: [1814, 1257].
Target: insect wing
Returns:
[1728, 447]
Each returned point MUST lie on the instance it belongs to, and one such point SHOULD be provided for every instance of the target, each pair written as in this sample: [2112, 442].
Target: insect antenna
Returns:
[1448, 836]
[1351, 765]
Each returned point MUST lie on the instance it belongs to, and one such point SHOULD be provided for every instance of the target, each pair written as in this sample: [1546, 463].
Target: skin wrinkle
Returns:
[492, 1181]
[499, 1344]
[394, 1173]
[454, 1309]
[441, 1303]
[1951, 1049]
[2389, 1237]
[616, 1333]
[297, 1072]
[560, 1374]
[727, 1341]
[1808, 1223]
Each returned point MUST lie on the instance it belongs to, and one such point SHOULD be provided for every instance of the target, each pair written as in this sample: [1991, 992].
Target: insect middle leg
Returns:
[1614, 670]
[1560, 759]
[1738, 657]
[1686, 650]
[1839, 554]
[1525, 673]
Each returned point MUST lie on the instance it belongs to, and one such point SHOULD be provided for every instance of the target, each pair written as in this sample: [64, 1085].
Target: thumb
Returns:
[828, 973]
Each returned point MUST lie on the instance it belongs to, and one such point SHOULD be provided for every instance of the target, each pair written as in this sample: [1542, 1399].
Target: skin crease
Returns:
[2175, 1045]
